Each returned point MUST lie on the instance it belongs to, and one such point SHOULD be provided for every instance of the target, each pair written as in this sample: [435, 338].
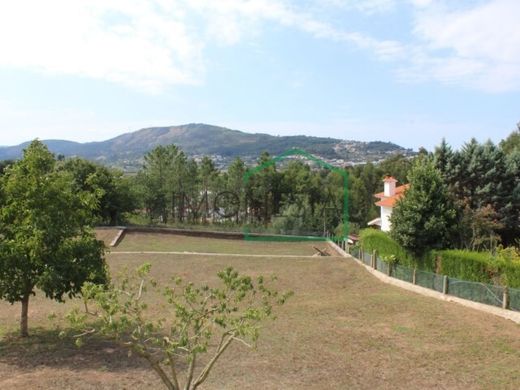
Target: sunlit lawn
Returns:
[342, 329]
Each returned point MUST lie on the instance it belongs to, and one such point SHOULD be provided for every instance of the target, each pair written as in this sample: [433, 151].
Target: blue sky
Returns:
[406, 71]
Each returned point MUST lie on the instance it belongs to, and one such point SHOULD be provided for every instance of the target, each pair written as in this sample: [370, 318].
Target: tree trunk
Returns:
[24, 319]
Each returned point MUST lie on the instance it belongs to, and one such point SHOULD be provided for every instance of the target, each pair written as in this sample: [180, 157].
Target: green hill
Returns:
[196, 140]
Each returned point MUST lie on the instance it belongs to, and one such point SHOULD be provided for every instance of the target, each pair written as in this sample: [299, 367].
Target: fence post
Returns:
[389, 269]
[361, 254]
[445, 285]
[414, 276]
[505, 298]
[374, 259]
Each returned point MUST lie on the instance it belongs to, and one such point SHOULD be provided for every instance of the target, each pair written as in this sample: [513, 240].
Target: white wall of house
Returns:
[386, 212]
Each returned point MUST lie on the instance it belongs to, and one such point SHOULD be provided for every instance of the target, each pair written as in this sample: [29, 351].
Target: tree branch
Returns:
[205, 372]
[158, 369]
[140, 289]
[190, 372]
[171, 360]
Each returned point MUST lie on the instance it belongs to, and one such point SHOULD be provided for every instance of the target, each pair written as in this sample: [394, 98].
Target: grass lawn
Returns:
[133, 242]
[342, 329]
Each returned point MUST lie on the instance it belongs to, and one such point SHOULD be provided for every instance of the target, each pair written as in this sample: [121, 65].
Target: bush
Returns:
[478, 267]
[385, 246]
[502, 268]
[466, 265]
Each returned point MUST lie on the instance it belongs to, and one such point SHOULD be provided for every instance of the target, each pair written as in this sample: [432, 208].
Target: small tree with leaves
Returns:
[197, 320]
[45, 239]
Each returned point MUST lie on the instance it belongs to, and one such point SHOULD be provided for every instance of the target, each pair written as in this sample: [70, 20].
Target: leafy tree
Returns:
[235, 184]
[513, 173]
[512, 142]
[397, 166]
[160, 180]
[4, 164]
[360, 201]
[45, 239]
[113, 191]
[479, 229]
[198, 320]
[425, 217]
[263, 194]
[208, 178]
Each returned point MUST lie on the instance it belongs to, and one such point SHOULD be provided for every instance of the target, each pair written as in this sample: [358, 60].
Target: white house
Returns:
[387, 200]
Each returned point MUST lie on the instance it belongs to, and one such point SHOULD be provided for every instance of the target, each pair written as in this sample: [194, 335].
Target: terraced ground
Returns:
[342, 329]
[178, 243]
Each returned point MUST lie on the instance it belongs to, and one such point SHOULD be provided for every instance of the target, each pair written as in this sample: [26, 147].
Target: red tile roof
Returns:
[389, 201]
[398, 190]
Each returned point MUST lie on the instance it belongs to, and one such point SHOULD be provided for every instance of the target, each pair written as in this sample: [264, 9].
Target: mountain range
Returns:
[127, 150]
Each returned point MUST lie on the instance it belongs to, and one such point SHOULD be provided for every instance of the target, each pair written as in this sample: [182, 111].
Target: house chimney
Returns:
[389, 186]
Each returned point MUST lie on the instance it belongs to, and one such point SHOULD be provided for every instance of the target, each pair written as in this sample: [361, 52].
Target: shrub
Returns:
[467, 265]
[385, 246]
[478, 267]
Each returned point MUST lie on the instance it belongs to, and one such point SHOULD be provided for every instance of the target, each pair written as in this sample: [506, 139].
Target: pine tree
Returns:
[443, 157]
[425, 217]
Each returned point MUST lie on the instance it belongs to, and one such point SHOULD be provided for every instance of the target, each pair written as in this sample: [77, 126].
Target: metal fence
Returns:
[514, 299]
[488, 294]
[429, 280]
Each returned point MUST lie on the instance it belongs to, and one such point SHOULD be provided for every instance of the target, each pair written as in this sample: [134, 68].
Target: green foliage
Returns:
[45, 238]
[386, 247]
[502, 268]
[113, 191]
[466, 265]
[512, 142]
[425, 217]
[484, 181]
[478, 228]
[197, 320]
[398, 166]
[5, 164]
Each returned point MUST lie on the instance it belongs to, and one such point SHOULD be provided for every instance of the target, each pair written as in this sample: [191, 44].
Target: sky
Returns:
[405, 71]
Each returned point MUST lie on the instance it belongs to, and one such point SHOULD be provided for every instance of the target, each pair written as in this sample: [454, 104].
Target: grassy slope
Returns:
[342, 329]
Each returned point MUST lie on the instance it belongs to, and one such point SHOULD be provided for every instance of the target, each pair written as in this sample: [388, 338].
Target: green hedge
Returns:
[461, 264]
[371, 239]
[477, 267]
[466, 265]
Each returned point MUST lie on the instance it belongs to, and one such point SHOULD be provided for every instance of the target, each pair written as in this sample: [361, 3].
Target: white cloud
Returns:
[140, 44]
[365, 6]
[476, 46]
[153, 44]
[148, 45]
[421, 3]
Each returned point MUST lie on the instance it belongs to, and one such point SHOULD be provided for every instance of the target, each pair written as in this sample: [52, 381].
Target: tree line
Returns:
[480, 179]
[464, 199]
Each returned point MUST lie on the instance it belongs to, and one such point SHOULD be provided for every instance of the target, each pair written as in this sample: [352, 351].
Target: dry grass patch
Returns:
[162, 242]
[342, 329]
